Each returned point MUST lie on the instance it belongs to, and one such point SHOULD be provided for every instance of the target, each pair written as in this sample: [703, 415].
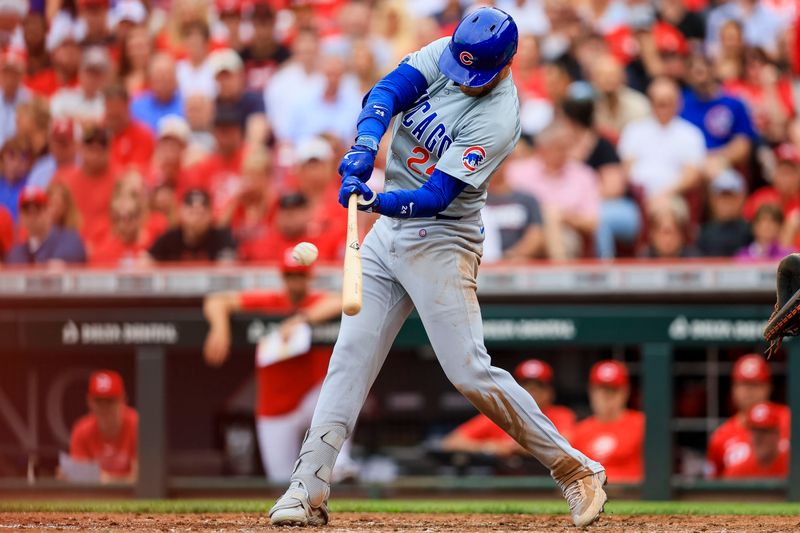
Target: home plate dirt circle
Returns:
[401, 522]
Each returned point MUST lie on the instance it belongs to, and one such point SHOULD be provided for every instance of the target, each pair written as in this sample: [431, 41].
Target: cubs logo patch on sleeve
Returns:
[473, 157]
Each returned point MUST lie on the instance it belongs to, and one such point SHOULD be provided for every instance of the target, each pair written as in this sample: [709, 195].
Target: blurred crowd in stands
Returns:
[135, 131]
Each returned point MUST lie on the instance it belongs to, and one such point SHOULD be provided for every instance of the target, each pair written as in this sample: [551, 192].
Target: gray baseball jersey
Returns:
[463, 136]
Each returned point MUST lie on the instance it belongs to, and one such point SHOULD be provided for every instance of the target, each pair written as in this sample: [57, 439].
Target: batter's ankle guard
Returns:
[317, 457]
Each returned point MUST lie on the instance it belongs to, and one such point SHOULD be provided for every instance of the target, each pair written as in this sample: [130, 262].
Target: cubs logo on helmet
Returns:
[466, 58]
[473, 157]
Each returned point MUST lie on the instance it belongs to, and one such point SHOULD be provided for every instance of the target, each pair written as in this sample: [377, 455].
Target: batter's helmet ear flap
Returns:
[484, 42]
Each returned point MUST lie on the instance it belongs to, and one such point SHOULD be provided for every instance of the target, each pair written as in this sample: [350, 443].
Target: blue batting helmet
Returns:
[482, 45]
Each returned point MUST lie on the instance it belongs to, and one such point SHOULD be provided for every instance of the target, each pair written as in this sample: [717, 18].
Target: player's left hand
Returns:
[359, 162]
[353, 185]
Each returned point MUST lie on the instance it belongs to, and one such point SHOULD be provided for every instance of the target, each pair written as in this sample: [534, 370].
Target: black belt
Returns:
[446, 217]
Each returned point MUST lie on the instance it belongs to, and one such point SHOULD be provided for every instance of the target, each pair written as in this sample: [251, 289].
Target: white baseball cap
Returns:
[62, 29]
[225, 59]
[174, 126]
[130, 11]
[729, 181]
[18, 7]
[313, 148]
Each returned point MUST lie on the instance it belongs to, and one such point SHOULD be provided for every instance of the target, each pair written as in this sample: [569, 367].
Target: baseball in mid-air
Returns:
[305, 253]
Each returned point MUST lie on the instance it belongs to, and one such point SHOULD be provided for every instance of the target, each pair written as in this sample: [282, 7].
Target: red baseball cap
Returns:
[229, 6]
[13, 57]
[290, 266]
[32, 195]
[106, 384]
[669, 39]
[534, 369]
[787, 153]
[93, 3]
[62, 128]
[764, 415]
[622, 44]
[751, 368]
[609, 373]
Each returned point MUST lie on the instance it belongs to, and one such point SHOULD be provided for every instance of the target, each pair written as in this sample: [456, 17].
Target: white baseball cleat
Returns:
[586, 498]
[293, 509]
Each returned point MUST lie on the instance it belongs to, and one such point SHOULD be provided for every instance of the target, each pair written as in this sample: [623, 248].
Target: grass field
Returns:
[535, 507]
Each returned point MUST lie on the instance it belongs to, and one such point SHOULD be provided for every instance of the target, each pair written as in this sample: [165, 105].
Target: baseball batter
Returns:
[457, 120]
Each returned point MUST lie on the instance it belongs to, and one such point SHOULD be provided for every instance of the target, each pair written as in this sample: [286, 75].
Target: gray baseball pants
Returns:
[431, 265]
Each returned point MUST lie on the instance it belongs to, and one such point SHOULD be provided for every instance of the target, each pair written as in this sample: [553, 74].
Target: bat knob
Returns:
[351, 308]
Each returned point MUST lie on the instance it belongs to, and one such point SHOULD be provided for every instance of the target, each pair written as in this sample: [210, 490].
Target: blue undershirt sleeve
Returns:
[427, 201]
[394, 93]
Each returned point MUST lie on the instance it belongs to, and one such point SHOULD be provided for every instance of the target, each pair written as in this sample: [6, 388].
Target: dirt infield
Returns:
[379, 522]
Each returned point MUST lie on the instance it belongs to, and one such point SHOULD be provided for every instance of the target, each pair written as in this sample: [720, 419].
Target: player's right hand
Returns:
[352, 185]
[217, 346]
[359, 162]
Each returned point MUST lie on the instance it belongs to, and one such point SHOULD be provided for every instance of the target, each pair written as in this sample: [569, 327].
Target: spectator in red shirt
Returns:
[785, 188]
[125, 17]
[768, 454]
[249, 213]
[92, 184]
[62, 45]
[613, 434]
[129, 238]
[169, 154]
[287, 389]
[221, 171]
[34, 31]
[167, 173]
[230, 16]
[290, 225]
[766, 92]
[317, 179]
[481, 435]
[137, 48]
[6, 232]
[61, 143]
[729, 444]
[132, 143]
[108, 435]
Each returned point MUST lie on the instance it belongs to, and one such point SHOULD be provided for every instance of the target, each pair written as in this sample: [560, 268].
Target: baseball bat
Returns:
[351, 282]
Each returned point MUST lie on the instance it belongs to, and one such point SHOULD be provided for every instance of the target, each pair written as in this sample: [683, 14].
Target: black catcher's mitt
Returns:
[785, 319]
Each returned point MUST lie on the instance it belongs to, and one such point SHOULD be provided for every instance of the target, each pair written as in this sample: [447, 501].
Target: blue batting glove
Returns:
[353, 185]
[358, 162]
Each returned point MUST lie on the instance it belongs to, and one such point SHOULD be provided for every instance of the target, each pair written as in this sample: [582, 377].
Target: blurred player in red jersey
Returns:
[614, 434]
[287, 389]
[768, 455]
[481, 435]
[108, 435]
[752, 384]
